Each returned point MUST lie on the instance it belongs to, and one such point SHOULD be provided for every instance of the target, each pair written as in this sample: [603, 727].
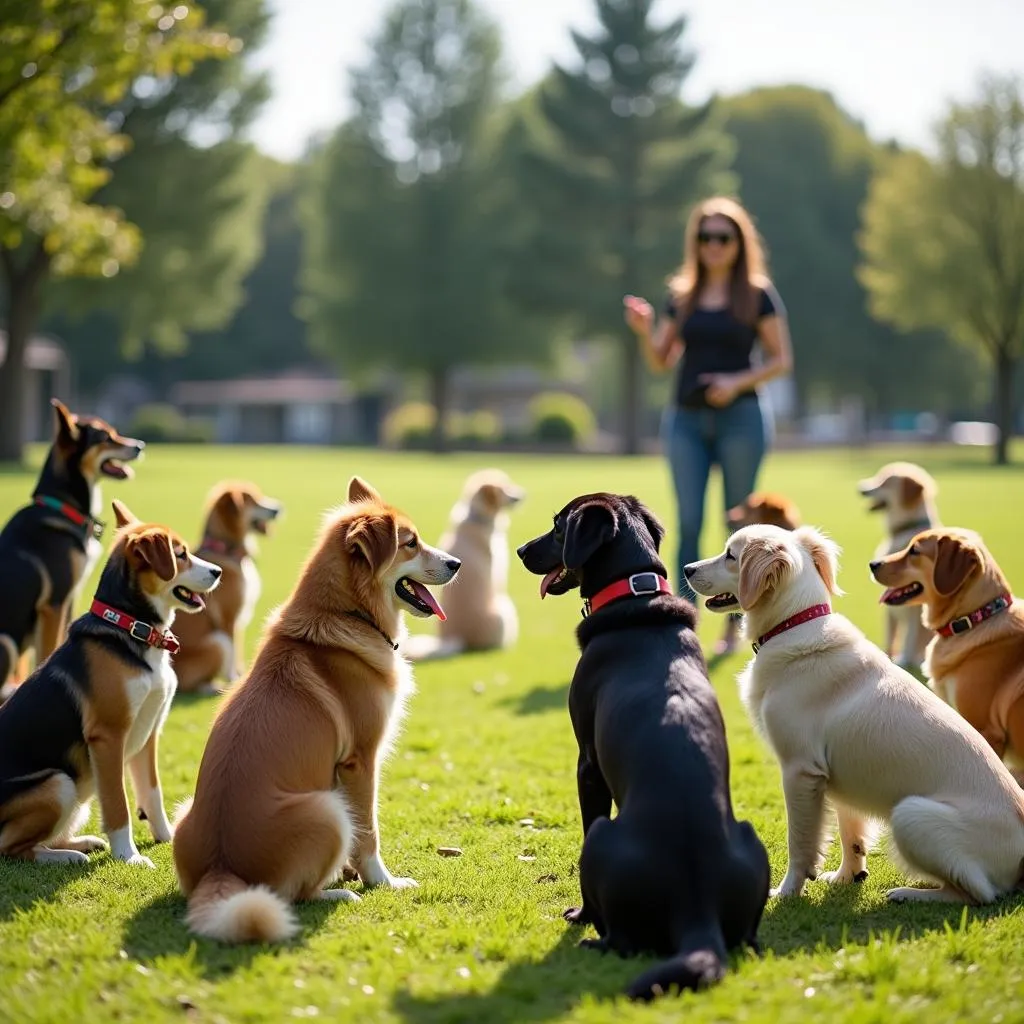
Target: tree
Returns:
[805, 166]
[66, 66]
[943, 239]
[610, 173]
[406, 217]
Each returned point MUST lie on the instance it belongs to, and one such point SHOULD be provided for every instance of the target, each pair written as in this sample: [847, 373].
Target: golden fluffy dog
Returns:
[850, 727]
[976, 659]
[906, 494]
[99, 703]
[480, 615]
[213, 642]
[287, 787]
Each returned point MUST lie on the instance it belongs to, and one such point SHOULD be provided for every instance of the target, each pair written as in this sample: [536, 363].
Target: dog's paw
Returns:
[601, 945]
[339, 895]
[843, 877]
[576, 915]
[89, 844]
[47, 856]
[401, 883]
[162, 835]
[138, 860]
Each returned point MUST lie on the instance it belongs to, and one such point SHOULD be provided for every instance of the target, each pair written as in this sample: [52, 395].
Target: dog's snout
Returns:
[521, 550]
[216, 571]
[454, 564]
[689, 570]
[140, 446]
[875, 566]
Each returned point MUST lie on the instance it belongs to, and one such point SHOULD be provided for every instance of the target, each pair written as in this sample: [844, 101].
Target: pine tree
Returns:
[610, 172]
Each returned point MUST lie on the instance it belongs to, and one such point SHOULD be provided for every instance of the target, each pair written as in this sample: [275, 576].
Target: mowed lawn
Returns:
[486, 762]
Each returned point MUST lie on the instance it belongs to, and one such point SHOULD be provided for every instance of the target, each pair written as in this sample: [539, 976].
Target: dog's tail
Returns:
[424, 647]
[696, 969]
[225, 908]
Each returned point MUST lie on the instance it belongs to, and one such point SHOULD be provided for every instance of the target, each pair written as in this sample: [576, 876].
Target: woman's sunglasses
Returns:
[721, 237]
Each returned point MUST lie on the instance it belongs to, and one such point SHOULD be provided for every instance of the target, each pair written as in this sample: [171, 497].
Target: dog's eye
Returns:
[411, 542]
[912, 550]
[180, 555]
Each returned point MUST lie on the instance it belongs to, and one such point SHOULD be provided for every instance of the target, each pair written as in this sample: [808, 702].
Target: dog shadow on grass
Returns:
[529, 990]
[798, 926]
[158, 930]
[539, 700]
[24, 885]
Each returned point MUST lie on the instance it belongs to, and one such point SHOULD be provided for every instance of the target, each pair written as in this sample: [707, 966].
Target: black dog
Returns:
[674, 873]
[51, 545]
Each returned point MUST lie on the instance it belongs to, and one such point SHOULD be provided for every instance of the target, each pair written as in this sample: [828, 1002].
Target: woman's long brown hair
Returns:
[749, 272]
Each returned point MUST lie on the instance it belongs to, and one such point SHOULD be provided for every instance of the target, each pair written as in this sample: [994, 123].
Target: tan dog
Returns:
[287, 788]
[480, 613]
[98, 704]
[765, 508]
[976, 660]
[906, 493]
[849, 726]
[213, 642]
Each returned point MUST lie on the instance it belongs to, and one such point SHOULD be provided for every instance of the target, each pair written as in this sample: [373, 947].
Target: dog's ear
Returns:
[588, 527]
[763, 563]
[911, 491]
[375, 538]
[824, 553]
[654, 527]
[360, 490]
[153, 549]
[955, 561]
[231, 504]
[123, 515]
[67, 425]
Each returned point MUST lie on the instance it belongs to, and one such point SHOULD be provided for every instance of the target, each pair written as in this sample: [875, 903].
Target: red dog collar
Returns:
[814, 612]
[640, 584]
[72, 514]
[136, 627]
[967, 622]
[217, 546]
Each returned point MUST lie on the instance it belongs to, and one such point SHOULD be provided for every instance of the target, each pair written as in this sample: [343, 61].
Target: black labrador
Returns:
[674, 873]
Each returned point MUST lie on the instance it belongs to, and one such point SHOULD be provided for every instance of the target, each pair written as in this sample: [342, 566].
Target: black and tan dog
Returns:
[51, 545]
[97, 704]
[674, 873]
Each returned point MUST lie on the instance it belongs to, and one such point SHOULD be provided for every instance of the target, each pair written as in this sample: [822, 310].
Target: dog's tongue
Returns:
[549, 579]
[428, 599]
[888, 594]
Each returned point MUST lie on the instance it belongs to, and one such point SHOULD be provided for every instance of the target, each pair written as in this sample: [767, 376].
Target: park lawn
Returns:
[486, 762]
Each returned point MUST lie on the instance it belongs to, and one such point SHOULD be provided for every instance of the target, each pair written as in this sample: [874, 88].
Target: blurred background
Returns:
[412, 222]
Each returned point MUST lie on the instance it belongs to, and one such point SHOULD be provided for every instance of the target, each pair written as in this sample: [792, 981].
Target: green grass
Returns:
[486, 762]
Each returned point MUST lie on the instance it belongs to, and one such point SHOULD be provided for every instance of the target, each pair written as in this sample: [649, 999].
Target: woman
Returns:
[720, 304]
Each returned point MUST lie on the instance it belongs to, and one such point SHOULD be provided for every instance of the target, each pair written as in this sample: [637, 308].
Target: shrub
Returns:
[474, 428]
[164, 424]
[557, 416]
[410, 425]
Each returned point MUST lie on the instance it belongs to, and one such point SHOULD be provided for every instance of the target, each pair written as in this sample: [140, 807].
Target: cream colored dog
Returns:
[851, 727]
[480, 613]
[906, 494]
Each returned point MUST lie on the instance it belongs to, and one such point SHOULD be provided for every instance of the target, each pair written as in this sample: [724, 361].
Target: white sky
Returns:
[891, 63]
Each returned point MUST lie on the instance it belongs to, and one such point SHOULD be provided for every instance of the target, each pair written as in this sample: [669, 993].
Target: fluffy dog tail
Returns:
[225, 908]
[695, 970]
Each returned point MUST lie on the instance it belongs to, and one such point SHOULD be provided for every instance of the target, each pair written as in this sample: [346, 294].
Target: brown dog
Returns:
[976, 659]
[97, 704]
[763, 508]
[906, 494]
[287, 788]
[213, 642]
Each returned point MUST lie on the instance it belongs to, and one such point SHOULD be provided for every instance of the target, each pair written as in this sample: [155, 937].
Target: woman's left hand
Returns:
[722, 388]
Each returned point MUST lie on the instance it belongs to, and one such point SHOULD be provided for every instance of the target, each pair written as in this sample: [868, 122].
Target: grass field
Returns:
[486, 762]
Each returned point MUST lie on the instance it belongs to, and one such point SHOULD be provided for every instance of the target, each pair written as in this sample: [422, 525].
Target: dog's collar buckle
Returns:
[89, 525]
[965, 623]
[640, 584]
[136, 628]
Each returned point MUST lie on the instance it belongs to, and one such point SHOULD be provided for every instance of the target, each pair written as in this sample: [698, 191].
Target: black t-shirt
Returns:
[716, 342]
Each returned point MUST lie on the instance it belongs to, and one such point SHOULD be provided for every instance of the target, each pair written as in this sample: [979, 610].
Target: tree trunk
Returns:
[1006, 366]
[23, 295]
[631, 399]
[439, 397]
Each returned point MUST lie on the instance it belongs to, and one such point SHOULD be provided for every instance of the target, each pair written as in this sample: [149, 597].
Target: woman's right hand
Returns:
[639, 315]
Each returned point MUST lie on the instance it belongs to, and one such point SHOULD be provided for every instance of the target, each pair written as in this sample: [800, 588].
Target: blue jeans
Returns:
[735, 438]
